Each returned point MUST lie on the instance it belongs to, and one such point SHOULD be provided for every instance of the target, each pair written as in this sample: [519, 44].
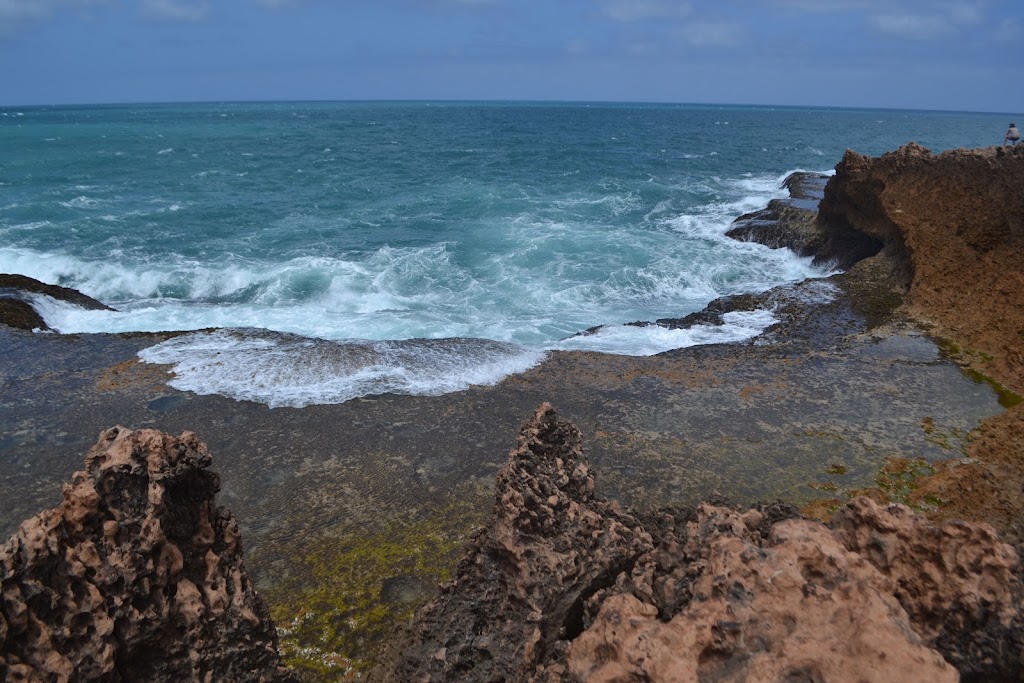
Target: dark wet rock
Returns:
[16, 308]
[562, 585]
[165, 403]
[805, 189]
[21, 315]
[713, 312]
[809, 317]
[794, 223]
[780, 225]
[136, 576]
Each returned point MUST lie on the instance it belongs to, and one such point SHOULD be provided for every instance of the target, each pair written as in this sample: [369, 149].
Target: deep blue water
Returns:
[337, 243]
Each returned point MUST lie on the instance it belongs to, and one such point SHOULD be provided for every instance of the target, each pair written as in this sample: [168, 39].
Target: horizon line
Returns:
[492, 101]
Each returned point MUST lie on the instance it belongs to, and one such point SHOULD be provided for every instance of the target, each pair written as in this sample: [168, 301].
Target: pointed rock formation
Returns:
[136, 576]
[564, 586]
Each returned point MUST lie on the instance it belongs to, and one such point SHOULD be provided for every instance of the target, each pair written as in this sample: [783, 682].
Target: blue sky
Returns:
[928, 54]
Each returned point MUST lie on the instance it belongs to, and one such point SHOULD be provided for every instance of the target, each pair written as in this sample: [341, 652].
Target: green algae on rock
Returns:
[332, 621]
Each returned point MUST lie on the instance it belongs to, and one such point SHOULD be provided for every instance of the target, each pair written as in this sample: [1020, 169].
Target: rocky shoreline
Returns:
[561, 585]
[848, 394]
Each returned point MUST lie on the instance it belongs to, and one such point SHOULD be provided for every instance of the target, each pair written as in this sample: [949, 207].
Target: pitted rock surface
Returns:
[799, 606]
[136, 576]
[564, 586]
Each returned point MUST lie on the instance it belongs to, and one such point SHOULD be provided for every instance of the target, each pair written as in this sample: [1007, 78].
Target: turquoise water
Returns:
[353, 248]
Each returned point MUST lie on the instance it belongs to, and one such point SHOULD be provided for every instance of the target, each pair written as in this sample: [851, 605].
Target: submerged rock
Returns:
[136, 576]
[562, 585]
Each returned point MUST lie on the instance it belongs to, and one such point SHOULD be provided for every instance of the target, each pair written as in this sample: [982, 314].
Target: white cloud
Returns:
[912, 26]
[176, 10]
[645, 10]
[641, 49]
[14, 13]
[966, 13]
[711, 34]
[20, 10]
[821, 6]
[577, 47]
[1008, 31]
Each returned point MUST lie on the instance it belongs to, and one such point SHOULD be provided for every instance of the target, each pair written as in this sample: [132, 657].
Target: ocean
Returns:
[323, 251]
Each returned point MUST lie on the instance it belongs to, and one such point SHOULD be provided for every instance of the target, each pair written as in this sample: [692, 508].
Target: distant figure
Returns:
[1012, 135]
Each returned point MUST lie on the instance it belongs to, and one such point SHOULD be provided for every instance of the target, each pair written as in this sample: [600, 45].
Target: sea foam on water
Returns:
[435, 248]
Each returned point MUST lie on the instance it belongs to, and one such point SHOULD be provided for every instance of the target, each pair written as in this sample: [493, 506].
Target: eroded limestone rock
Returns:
[564, 586]
[136, 576]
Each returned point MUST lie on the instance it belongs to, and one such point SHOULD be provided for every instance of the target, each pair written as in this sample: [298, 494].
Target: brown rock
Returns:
[957, 581]
[519, 593]
[800, 607]
[564, 586]
[956, 220]
[136, 576]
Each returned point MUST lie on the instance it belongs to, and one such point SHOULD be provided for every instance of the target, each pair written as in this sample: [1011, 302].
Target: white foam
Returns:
[34, 225]
[629, 340]
[550, 267]
[81, 202]
[112, 280]
[285, 370]
[169, 150]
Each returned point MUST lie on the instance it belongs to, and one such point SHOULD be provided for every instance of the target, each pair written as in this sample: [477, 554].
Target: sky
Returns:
[915, 54]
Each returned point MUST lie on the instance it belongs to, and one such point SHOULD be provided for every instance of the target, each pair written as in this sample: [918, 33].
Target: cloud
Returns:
[176, 10]
[644, 10]
[966, 13]
[711, 34]
[911, 26]
[641, 49]
[15, 13]
[577, 47]
[276, 4]
[1008, 31]
[21, 10]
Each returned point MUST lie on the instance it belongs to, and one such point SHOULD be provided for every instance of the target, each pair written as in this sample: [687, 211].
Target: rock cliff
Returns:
[564, 586]
[136, 576]
[954, 224]
[956, 220]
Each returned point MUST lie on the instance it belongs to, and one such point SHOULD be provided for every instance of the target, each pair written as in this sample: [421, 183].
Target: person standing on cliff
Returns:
[1012, 135]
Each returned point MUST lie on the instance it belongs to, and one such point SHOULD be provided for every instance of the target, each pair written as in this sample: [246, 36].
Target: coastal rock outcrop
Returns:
[956, 221]
[16, 309]
[136, 576]
[564, 586]
[793, 223]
